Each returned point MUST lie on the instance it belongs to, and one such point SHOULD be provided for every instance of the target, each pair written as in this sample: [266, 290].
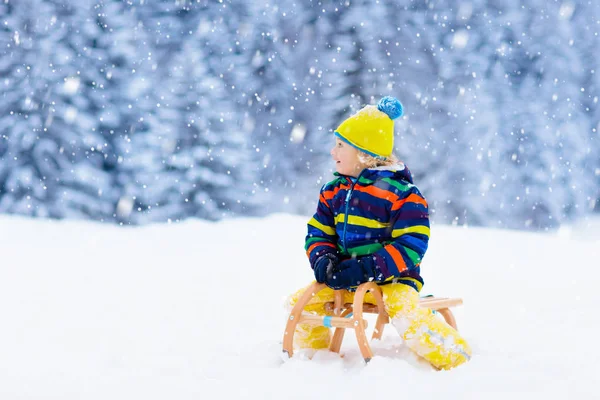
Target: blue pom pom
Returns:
[391, 106]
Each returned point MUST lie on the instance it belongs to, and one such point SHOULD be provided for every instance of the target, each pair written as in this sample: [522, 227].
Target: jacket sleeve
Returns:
[410, 234]
[321, 238]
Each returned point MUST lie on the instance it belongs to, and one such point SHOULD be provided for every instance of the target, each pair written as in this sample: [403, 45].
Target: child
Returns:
[372, 224]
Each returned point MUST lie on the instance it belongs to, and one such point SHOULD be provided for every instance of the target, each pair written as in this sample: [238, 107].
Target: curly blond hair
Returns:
[370, 161]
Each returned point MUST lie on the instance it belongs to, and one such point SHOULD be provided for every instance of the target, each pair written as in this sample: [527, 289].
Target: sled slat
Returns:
[434, 303]
[332, 322]
[439, 303]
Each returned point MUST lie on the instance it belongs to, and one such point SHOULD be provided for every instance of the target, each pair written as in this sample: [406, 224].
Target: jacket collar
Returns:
[398, 171]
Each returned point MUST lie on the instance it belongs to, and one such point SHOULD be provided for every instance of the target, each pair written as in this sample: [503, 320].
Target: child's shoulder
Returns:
[392, 173]
[394, 178]
[337, 181]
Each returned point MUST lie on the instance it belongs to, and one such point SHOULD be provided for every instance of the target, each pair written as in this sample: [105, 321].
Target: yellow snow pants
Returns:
[424, 333]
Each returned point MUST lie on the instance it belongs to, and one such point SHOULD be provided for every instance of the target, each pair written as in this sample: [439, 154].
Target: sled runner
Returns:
[350, 316]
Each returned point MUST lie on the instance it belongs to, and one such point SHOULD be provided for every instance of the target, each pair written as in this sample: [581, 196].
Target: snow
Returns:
[195, 311]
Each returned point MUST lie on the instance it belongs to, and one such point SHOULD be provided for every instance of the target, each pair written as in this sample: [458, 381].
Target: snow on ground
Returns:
[195, 311]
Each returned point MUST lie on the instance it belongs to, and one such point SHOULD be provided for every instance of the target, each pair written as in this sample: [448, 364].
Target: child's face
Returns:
[346, 159]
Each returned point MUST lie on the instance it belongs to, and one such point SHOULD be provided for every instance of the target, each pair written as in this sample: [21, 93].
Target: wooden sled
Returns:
[350, 316]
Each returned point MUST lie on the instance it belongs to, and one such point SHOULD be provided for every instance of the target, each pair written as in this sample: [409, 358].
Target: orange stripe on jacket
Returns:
[412, 198]
[397, 257]
[323, 199]
[312, 246]
[378, 192]
[326, 195]
[336, 190]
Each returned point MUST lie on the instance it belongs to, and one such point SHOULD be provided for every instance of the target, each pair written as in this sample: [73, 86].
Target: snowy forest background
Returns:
[144, 111]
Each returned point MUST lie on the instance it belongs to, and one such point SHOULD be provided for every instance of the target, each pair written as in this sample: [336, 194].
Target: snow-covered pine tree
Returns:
[585, 18]
[151, 190]
[166, 24]
[61, 114]
[188, 159]
[541, 124]
[212, 152]
[270, 91]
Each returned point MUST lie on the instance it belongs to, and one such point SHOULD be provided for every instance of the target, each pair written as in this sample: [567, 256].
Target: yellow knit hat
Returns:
[371, 129]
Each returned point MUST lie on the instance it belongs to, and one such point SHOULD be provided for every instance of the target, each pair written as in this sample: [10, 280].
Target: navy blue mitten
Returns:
[353, 272]
[324, 267]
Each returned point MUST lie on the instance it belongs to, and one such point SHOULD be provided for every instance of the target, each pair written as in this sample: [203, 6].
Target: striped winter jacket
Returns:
[379, 213]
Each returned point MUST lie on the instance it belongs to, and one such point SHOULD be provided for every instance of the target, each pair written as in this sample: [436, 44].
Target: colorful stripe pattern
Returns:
[380, 213]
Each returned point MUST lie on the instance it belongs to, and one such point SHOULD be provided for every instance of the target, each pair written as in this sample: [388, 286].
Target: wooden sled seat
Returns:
[350, 316]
